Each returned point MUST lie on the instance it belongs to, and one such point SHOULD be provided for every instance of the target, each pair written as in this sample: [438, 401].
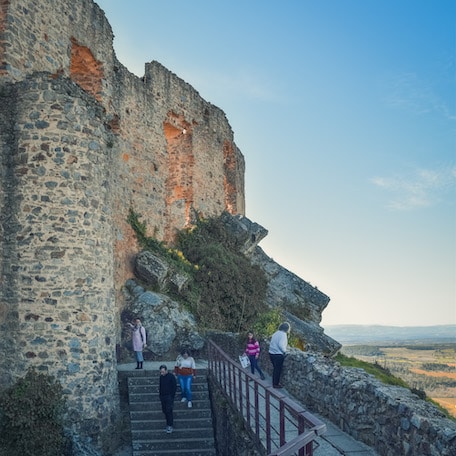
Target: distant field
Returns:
[430, 368]
[447, 403]
[434, 374]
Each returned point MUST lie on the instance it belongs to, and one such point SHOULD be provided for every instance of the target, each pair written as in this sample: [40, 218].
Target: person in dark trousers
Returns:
[277, 351]
[167, 391]
[252, 350]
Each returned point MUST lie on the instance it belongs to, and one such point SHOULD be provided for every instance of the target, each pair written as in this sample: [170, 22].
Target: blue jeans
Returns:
[185, 382]
[254, 365]
[139, 356]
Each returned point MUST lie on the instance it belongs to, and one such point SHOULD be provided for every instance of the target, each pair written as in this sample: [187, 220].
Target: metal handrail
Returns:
[278, 422]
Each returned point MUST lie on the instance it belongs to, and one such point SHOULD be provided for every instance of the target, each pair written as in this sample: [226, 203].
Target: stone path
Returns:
[334, 442]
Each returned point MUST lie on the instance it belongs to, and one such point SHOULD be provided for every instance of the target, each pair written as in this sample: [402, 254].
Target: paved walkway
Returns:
[334, 442]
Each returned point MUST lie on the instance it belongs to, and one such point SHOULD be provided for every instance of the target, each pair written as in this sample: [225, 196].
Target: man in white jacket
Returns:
[277, 350]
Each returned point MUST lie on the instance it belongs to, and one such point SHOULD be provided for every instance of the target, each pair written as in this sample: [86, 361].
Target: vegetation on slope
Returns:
[226, 292]
[379, 372]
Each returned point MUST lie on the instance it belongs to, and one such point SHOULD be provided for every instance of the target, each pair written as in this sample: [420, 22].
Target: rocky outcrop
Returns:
[313, 336]
[158, 273]
[169, 326]
[248, 233]
[301, 302]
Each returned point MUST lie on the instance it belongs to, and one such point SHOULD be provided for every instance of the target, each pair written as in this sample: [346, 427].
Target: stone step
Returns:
[173, 442]
[198, 404]
[151, 388]
[181, 429]
[143, 415]
[152, 379]
[166, 452]
[153, 396]
[180, 422]
[149, 378]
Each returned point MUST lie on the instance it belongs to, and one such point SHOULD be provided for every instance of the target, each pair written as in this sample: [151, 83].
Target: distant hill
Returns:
[364, 334]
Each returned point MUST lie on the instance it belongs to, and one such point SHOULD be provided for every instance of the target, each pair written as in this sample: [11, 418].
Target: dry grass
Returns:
[449, 403]
[436, 374]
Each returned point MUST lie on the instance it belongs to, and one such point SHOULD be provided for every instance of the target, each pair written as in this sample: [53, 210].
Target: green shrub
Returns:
[379, 372]
[232, 291]
[30, 417]
[267, 323]
[225, 292]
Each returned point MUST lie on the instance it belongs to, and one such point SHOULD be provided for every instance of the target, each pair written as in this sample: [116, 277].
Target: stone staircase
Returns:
[193, 431]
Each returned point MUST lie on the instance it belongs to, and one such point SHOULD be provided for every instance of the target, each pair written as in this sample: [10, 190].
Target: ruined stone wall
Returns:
[170, 158]
[83, 141]
[389, 419]
[157, 170]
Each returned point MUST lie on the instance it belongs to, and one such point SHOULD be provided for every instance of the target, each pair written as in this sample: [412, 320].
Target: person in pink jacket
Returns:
[252, 350]
[138, 338]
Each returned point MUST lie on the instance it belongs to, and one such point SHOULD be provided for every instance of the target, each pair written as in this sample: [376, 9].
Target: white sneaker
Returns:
[184, 399]
[190, 404]
[169, 429]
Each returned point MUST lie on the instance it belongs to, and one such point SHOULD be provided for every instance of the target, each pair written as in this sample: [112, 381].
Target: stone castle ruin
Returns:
[83, 140]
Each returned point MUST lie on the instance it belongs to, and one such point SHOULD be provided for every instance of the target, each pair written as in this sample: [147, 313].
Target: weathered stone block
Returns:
[151, 269]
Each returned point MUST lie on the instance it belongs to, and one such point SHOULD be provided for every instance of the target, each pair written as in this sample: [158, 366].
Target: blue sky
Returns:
[345, 112]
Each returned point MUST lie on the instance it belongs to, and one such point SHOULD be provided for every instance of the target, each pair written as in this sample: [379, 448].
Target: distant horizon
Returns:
[391, 326]
[360, 334]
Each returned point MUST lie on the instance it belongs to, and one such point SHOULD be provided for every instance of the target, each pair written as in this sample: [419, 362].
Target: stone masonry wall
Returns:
[231, 433]
[83, 141]
[57, 246]
[389, 419]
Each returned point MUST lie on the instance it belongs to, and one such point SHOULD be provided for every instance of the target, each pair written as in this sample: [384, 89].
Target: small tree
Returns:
[31, 417]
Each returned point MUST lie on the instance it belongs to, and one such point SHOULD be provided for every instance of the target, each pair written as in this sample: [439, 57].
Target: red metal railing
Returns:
[280, 424]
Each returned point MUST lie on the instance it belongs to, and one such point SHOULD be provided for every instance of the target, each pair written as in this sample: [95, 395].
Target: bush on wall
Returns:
[31, 417]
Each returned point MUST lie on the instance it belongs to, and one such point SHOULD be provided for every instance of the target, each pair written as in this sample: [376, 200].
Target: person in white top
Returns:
[185, 369]
[277, 350]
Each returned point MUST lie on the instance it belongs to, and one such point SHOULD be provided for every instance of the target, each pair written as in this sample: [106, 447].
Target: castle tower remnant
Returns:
[82, 140]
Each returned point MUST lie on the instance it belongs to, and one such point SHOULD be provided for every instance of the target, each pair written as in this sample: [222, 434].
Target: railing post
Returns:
[268, 420]
[301, 428]
[247, 400]
[282, 423]
[232, 379]
[241, 403]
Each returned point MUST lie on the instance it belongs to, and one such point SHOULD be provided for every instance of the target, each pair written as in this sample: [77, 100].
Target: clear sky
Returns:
[345, 112]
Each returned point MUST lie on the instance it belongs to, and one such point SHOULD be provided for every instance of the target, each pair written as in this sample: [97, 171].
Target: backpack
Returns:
[141, 334]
